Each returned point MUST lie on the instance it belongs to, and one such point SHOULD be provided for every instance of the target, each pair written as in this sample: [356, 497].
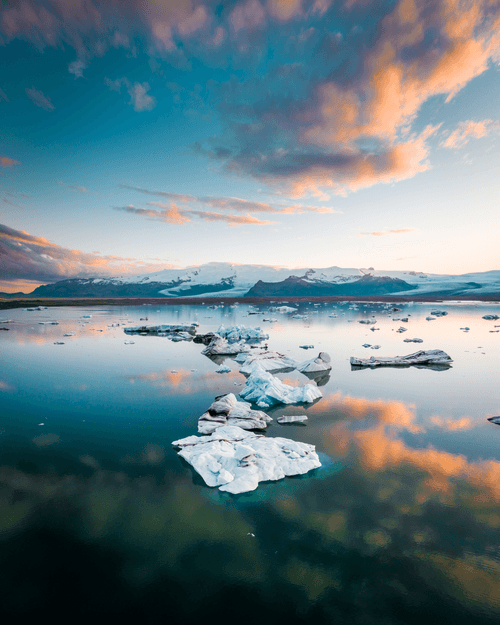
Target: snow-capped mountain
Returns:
[229, 280]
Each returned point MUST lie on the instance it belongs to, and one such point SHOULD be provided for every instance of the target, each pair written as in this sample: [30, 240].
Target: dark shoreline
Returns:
[171, 301]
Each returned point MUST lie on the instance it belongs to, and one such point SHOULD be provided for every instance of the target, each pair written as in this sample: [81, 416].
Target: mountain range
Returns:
[230, 280]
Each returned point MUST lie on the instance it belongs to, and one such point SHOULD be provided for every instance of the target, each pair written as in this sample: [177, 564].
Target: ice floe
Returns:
[430, 357]
[236, 460]
[227, 410]
[220, 347]
[321, 363]
[491, 317]
[413, 340]
[265, 390]
[292, 419]
[162, 329]
[368, 321]
[268, 361]
[282, 309]
[241, 333]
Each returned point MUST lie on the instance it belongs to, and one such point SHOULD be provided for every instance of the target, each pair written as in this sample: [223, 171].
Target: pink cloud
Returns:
[470, 130]
[5, 161]
[247, 16]
[138, 92]
[384, 233]
[26, 257]
[39, 99]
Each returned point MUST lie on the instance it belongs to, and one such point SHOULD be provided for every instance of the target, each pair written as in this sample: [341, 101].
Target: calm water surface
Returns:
[100, 519]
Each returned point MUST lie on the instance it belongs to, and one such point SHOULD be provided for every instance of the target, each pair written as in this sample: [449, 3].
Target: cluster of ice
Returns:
[227, 410]
[161, 329]
[265, 390]
[218, 346]
[430, 357]
[236, 460]
[241, 333]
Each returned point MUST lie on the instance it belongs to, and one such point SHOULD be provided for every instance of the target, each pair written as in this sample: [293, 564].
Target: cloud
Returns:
[138, 92]
[36, 259]
[76, 68]
[72, 186]
[384, 233]
[39, 99]
[230, 203]
[174, 215]
[5, 161]
[139, 97]
[470, 130]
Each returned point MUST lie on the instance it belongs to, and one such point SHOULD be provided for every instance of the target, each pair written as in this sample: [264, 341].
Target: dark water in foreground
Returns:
[100, 520]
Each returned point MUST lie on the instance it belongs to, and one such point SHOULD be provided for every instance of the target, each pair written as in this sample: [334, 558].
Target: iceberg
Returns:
[241, 333]
[265, 390]
[292, 419]
[321, 363]
[282, 309]
[227, 410]
[236, 461]
[220, 347]
[430, 357]
[267, 361]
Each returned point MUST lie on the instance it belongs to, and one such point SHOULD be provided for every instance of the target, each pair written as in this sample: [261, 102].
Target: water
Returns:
[100, 519]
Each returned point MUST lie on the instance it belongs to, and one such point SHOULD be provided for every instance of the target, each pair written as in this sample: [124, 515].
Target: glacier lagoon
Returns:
[101, 517]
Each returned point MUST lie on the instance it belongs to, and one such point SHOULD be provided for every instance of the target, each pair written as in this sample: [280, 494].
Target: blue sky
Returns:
[283, 132]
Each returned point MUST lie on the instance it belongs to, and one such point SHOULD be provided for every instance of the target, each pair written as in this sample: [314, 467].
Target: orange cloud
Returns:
[384, 233]
[470, 130]
[5, 161]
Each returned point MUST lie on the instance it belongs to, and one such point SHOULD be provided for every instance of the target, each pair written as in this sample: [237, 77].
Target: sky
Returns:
[147, 134]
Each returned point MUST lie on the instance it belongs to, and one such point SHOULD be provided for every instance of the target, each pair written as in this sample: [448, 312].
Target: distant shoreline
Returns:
[176, 301]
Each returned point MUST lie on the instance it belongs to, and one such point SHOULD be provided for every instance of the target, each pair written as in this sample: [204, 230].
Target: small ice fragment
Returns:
[495, 420]
[306, 346]
[223, 369]
[292, 419]
[41, 424]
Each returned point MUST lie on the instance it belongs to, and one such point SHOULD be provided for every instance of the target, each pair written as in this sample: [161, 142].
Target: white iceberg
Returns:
[241, 333]
[227, 410]
[321, 363]
[265, 390]
[237, 461]
[430, 357]
[220, 347]
[268, 361]
[292, 419]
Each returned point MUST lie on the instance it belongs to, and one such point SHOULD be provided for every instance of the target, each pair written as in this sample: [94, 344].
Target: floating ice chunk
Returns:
[373, 329]
[491, 317]
[292, 419]
[162, 328]
[129, 343]
[366, 345]
[439, 313]
[270, 320]
[306, 346]
[86, 316]
[430, 318]
[241, 333]
[181, 336]
[282, 309]
[69, 334]
[223, 369]
[430, 357]
[268, 361]
[48, 323]
[413, 341]
[219, 346]
[321, 363]
[227, 410]
[368, 321]
[299, 317]
[237, 461]
[264, 389]
[58, 343]
[375, 347]
[495, 420]
[401, 329]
